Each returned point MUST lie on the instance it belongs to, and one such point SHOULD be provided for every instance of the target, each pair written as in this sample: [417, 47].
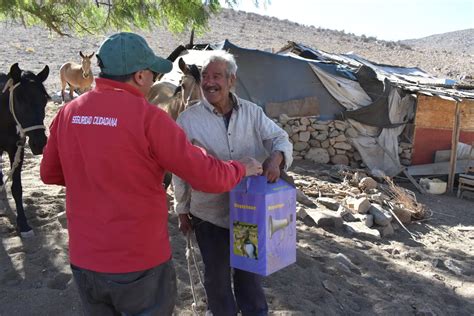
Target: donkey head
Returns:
[190, 84]
[29, 102]
[86, 64]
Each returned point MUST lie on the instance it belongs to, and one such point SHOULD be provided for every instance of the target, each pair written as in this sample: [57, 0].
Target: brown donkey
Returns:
[76, 76]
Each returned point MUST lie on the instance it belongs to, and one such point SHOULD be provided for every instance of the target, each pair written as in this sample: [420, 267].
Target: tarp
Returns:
[368, 95]
[378, 147]
[263, 77]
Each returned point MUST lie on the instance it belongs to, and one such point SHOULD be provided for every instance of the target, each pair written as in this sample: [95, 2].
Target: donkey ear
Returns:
[80, 53]
[43, 74]
[182, 65]
[177, 90]
[15, 72]
[92, 55]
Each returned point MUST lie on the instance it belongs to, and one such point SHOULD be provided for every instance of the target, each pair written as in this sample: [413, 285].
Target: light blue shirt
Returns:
[250, 133]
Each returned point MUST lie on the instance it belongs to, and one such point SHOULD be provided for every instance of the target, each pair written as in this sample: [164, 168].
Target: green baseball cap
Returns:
[125, 53]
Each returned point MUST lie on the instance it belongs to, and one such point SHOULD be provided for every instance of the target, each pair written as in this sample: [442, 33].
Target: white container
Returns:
[433, 186]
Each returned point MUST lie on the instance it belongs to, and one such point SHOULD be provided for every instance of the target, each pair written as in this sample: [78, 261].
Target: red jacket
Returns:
[110, 148]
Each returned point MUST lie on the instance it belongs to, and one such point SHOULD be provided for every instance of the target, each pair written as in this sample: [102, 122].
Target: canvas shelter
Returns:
[378, 100]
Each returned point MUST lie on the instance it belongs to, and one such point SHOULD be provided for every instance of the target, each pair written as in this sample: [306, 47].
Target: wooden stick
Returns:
[413, 181]
[402, 169]
[454, 147]
[400, 222]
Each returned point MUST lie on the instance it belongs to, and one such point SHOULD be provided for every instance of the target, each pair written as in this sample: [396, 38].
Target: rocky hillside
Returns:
[456, 42]
[432, 54]
[34, 47]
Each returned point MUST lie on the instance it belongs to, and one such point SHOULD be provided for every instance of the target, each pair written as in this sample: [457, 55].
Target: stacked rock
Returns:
[405, 151]
[321, 141]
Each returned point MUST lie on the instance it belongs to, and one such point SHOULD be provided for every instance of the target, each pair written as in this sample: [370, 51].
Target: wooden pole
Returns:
[454, 146]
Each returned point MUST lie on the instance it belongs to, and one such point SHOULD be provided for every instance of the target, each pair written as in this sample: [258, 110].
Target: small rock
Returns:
[358, 176]
[305, 121]
[367, 184]
[283, 118]
[299, 146]
[361, 205]
[320, 127]
[325, 218]
[359, 229]
[346, 214]
[343, 259]
[340, 125]
[343, 145]
[301, 213]
[322, 136]
[303, 199]
[381, 216]
[386, 231]
[452, 266]
[369, 220]
[304, 136]
[340, 160]
[330, 203]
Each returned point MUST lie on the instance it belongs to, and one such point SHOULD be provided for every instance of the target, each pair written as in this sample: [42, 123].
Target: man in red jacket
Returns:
[110, 148]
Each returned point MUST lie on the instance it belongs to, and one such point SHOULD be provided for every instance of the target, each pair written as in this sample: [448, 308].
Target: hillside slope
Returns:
[33, 47]
[456, 42]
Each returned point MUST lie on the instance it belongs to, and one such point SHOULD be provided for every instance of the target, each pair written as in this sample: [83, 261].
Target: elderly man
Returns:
[110, 148]
[228, 128]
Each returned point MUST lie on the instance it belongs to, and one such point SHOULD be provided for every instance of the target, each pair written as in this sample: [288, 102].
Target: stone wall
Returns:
[328, 141]
[405, 151]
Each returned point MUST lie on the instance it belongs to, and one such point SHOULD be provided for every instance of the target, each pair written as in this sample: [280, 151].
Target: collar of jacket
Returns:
[107, 84]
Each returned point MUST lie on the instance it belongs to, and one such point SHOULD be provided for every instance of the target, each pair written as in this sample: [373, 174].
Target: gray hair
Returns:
[222, 56]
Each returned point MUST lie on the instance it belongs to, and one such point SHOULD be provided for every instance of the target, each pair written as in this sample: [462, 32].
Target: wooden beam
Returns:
[454, 146]
[436, 169]
[413, 181]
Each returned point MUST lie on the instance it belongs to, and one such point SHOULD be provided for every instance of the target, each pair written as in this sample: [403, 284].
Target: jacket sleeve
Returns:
[51, 171]
[274, 137]
[182, 195]
[176, 154]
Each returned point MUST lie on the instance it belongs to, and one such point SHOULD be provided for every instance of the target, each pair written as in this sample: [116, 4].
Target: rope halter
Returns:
[188, 101]
[20, 130]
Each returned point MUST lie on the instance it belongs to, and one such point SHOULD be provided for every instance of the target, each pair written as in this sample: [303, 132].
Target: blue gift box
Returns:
[262, 225]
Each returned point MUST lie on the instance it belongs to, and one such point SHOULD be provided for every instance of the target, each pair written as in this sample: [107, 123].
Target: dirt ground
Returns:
[336, 272]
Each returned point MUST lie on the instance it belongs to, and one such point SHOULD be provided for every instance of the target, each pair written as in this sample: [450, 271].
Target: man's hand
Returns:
[271, 166]
[252, 166]
[185, 224]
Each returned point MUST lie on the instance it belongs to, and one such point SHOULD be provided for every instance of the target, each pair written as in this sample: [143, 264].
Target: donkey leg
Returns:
[71, 92]
[63, 87]
[17, 193]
